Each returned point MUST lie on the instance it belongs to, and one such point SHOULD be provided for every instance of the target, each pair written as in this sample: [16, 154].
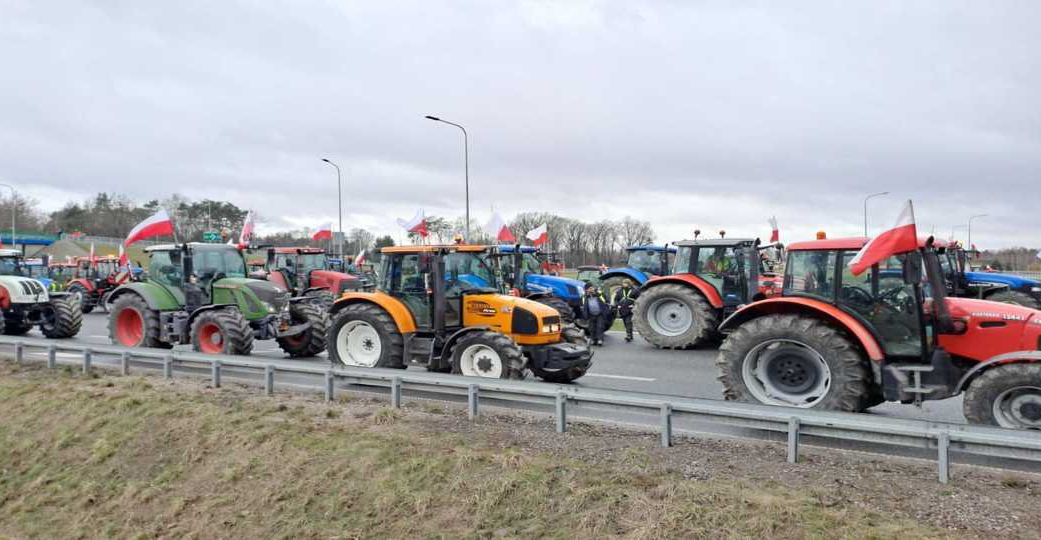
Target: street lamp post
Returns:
[339, 206]
[970, 228]
[879, 194]
[14, 208]
[466, 165]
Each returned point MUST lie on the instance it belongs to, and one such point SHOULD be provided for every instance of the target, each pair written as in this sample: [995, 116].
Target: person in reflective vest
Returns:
[623, 301]
[595, 310]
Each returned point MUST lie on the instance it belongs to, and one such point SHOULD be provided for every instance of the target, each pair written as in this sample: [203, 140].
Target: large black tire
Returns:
[365, 335]
[137, 329]
[567, 314]
[674, 316]
[311, 341]
[86, 300]
[62, 318]
[325, 300]
[16, 328]
[1007, 396]
[612, 284]
[488, 354]
[1018, 298]
[222, 331]
[795, 373]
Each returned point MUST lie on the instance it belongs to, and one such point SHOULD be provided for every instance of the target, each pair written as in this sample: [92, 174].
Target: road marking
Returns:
[623, 377]
[98, 337]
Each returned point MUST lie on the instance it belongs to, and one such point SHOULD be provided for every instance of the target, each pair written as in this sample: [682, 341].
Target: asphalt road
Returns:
[636, 366]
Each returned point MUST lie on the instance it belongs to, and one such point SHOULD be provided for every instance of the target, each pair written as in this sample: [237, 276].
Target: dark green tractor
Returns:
[199, 293]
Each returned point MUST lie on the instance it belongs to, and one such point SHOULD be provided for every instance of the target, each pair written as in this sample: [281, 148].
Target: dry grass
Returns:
[127, 457]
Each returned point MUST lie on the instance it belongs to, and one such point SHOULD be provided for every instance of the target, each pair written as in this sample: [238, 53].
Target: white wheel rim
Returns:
[480, 360]
[757, 376]
[358, 344]
[669, 317]
[1009, 407]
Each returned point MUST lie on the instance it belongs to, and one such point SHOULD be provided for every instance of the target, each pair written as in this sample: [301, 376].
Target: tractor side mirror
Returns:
[913, 268]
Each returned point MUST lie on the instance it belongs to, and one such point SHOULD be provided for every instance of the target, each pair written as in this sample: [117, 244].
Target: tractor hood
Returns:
[1014, 282]
[996, 327]
[265, 291]
[334, 282]
[23, 290]
[561, 286]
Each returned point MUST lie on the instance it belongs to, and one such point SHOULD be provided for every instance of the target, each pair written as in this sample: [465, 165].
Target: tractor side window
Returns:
[882, 298]
[681, 265]
[409, 285]
[811, 273]
[165, 268]
[719, 266]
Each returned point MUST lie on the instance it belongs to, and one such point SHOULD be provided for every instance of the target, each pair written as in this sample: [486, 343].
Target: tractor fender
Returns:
[394, 307]
[690, 280]
[1017, 357]
[155, 297]
[813, 308]
[85, 283]
[457, 335]
[639, 277]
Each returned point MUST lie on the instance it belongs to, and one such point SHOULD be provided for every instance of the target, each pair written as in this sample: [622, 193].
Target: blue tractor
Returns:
[643, 263]
[523, 271]
[993, 286]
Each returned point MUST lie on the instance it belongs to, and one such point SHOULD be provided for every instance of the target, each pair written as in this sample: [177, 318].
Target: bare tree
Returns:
[634, 232]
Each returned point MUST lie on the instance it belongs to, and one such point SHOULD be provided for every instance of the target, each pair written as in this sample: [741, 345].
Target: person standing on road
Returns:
[594, 311]
[623, 301]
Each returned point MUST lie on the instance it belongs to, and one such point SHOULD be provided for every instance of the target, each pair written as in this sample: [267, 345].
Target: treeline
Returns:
[1020, 258]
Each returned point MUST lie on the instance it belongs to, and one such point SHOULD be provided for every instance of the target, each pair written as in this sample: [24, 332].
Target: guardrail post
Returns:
[269, 380]
[793, 440]
[52, 357]
[329, 380]
[124, 362]
[87, 353]
[168, 366]
[215, 373]
[19, 352]
[395, 392]
[666, 425]
[471, 401]
[561, 413]
[943, 464]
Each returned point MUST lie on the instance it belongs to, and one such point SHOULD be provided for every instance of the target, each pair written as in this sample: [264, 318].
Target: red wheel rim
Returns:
[130, 328]
[211, 339]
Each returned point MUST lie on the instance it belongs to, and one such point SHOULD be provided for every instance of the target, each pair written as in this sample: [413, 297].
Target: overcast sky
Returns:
[687, 114]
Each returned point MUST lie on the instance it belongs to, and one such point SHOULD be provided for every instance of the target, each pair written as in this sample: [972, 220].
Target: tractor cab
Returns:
[191, 272]
[732, 266]
[12, 263]
[650, 260]
[550, 263]
[307, 270]
[963, 282]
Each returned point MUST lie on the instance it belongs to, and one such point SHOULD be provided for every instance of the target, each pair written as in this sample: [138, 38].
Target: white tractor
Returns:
[26, 303]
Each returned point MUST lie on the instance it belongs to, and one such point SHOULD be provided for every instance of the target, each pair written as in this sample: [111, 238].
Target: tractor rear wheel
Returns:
[16, 328]
[310, 342]
[80, 293]
[222, 331]
[132, 324]
[674, 316]
[567, 314]
[612, 284]
[793, 361]
[1018, 298]
[365, 335]
[488, 354]
[62, 318]
[1007, 396]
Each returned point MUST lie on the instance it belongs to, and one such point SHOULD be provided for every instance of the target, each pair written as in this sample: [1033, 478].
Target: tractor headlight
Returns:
[1035, 289]
[550, 328]
[268, 307]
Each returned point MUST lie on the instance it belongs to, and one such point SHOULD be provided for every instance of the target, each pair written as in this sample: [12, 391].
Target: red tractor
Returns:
[93, 281]
[713, 278]
[837, 341]
[304, 271]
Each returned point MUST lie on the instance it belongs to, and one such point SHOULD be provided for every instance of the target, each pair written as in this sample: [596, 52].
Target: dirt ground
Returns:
[137, 456]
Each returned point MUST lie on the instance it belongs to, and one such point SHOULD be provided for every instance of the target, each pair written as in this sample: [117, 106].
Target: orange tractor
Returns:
[94, 280]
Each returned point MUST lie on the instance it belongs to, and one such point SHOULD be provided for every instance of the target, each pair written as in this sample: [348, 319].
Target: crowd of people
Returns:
[597, 310]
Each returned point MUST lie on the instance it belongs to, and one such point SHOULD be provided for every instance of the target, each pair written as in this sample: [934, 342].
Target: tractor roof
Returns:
[509, 248]
[468, 248]
[295, 250]
[650, 248]
[588, 267]
[854, 242]
[100, 258]
[193, 245]
[716, 242]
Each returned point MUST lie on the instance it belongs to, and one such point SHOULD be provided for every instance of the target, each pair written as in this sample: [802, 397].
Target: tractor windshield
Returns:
[312, 261]
[210, 261]
[682, 263]
[11, 266]
[469, 270]
[106, 268]
[647, 261]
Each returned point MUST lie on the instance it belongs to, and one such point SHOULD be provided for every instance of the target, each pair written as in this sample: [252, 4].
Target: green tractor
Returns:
[199, 293]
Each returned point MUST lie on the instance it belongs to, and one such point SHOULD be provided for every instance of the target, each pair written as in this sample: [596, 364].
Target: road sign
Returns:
[212, 237]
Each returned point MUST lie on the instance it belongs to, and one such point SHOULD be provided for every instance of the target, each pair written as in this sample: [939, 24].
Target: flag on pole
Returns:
[360, 258]
[124, 261]
[247, 229]
[902, 237]
[775, 235]
[538, 235]
[497, 228]
[416, 225]
[325, 231]
[156, 225]
[93, 258]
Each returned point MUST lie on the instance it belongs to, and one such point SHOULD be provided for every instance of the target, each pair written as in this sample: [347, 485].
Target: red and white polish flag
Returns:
[93, 258]
[123, 259]
[416, 225]
[901, 238]
[497, 228]
[538, 235]
[247, 229]
[156, 225]
[775, 234]
[360, 258]
[324, 232]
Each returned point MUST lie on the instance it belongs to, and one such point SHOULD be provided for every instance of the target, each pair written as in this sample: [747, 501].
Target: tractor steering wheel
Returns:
[857, 295]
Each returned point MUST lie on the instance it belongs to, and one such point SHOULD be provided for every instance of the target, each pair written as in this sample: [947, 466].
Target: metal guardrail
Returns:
[796, 423]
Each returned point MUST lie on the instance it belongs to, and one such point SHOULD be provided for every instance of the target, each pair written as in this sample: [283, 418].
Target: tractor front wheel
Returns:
[793, 361]
[310, 342]
[1007, 396]
[488, 354]
[1018, 298]
[83, 296]
[132, 324]
[674, 316]
[365, 335]
[62, 318]
[222, 331]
